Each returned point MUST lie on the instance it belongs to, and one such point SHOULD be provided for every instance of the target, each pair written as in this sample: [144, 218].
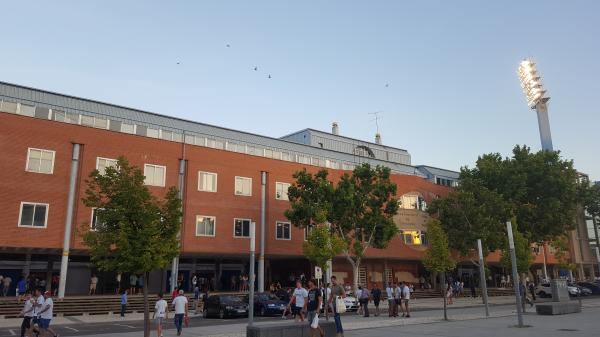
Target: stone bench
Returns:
[289, 329]
[558, 308]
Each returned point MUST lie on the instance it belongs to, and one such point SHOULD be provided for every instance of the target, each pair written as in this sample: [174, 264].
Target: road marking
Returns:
[12, 332]
[127, 326]
[72, 329]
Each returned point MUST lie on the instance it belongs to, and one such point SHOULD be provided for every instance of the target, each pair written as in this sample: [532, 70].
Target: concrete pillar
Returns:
[49, 268]
[175, 262]
[68, 221]
[263, 210]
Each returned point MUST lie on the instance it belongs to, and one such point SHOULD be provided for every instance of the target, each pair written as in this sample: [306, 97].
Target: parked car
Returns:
[593, 287]
[544, 290]
[266, 304]
[223, 306]
[351, 302]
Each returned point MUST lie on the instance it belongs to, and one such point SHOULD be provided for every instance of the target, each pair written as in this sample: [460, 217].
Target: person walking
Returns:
[132, 283]
[532, 290]
[21, 289]
[299, 298]
[449, 293]
[365, 297]
[360, 302]
[93, 284]
[161, 314]
[6, 285]
[46, 315]
[337, 291]
[472, 286]
[389, 290]
[123, 303]
[405, 299]
[397, 299]
[376, 294]
[313, 305]
[27, 314]
[180, 306]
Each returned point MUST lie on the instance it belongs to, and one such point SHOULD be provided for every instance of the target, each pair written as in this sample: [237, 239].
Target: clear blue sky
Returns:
[453, 92]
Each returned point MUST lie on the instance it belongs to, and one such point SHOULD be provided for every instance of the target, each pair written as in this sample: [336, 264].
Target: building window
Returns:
[424, 240]
[241, 228]
[283, 231]
[243, 186]
[33, 215]
[95, 122]
[307, 231]
[205, 225]
[128, 128]
[207, 181]
[413, 201]
[40, 161]
[411, 237]
[65, 117]
[281, 191]
[155, 175]
[26, 110]
[94, 221]
[103, 163]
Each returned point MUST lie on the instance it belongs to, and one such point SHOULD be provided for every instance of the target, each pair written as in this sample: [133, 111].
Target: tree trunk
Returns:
[146, 306]
[443, 290]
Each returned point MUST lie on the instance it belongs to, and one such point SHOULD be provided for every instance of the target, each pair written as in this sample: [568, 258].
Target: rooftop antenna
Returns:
[376, 119]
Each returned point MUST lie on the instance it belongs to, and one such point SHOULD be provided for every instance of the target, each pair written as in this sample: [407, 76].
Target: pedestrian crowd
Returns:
[37, 313]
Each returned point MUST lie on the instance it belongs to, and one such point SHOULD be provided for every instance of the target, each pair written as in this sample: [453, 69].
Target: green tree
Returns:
[135, 231]
[561, 252]
[322, 245]
[437, 256]
[523, 253]
[359, 208]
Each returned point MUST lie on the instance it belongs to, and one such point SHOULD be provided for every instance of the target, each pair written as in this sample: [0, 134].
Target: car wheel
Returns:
[263, 312]
[221, 314]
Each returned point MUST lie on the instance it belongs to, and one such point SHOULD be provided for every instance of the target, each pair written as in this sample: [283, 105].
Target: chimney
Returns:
[378, 138]
[335, 129]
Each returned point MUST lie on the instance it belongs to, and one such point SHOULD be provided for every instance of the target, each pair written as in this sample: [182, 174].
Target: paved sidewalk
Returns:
[415, 304]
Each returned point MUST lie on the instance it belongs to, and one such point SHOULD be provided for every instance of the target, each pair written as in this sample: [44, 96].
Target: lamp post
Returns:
[531, 82]
[482, 278]
[252, 261]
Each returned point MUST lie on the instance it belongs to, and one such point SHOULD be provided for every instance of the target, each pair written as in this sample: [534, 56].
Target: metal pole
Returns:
[263, 207]
[252, 261]
[516, 282]
[544, 124]
[175, 262]
[597, 242]
[544, 255]
[482, 279]
[64, 263]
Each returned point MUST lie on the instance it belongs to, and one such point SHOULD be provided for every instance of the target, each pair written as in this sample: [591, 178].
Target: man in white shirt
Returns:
[180, 306]
[27, 314]
[405, 299]
[299, 302]
[389, 290]
[46, 315]
[161, 313]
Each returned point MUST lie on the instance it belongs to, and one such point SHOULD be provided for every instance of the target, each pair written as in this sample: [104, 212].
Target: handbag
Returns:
[186, 321]
[340, 305]
[315, 322]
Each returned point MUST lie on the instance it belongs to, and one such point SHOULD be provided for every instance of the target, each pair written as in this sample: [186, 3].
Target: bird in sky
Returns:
[255, 68]
[227, 45]
[387, 85]
[177, 62]
[269, 75]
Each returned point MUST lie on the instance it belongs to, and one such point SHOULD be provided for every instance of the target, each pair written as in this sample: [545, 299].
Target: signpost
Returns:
[482, 279]
[252, 260]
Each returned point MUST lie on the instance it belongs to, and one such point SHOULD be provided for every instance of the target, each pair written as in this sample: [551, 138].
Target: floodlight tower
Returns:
[531, 83]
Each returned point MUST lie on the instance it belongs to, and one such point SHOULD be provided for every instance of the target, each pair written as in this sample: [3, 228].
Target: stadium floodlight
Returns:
[534, 91]
[531, 83]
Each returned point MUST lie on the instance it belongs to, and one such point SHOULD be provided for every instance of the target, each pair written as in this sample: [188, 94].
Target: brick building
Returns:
[221, 172]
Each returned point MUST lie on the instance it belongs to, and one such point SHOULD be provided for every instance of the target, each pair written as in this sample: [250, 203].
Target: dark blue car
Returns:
[267, 304]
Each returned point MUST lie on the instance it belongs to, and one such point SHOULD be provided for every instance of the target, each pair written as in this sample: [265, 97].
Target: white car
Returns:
[544, 290]
[351, 303]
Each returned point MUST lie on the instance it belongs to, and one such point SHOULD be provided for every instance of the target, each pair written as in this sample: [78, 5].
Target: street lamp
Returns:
[534, 91]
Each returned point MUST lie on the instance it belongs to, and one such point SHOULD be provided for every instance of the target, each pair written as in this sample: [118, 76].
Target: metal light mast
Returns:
[531, 82]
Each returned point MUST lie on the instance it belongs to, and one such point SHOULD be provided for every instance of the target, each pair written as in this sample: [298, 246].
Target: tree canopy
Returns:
[359, 208]
[437, 256]
[523, 253]
[135, 232]
[538, 189]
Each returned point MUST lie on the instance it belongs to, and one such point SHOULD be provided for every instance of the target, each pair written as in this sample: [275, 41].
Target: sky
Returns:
[441, 73]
